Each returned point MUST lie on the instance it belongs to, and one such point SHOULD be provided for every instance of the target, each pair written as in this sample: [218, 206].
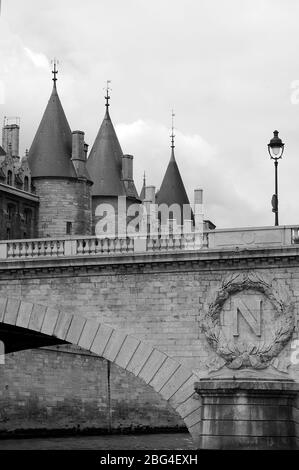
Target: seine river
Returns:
[172, 441]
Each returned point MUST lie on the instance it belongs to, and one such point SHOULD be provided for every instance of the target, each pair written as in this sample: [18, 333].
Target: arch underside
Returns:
[24, 325]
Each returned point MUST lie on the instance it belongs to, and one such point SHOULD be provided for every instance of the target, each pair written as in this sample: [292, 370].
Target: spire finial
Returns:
[172, 129]
[55, 71]
[107, 96]
[144, 181]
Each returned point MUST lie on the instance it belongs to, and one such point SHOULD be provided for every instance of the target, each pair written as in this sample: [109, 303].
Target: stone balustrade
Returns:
[237, 238]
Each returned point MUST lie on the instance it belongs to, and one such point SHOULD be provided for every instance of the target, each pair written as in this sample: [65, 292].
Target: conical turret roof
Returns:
[172, 190]
[142, 193]
[105, 161]
[51, 150]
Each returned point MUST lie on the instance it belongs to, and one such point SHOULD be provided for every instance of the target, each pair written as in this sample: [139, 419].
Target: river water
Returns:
[172, 441]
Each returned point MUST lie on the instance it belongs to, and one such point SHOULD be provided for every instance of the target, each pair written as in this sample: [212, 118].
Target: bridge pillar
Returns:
[247, 414]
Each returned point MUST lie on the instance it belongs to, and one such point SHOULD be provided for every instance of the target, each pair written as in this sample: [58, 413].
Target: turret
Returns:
[112, 174]
[56, 161]
[172, 192]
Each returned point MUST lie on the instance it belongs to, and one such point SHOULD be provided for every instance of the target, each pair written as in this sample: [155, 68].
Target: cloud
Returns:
[199, 163]
[228, 76]
[39, 60]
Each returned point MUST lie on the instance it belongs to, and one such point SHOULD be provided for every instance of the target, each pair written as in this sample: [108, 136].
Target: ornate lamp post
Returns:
[275, 149]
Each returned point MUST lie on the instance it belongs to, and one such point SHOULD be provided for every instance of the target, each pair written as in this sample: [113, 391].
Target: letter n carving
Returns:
[253, 319]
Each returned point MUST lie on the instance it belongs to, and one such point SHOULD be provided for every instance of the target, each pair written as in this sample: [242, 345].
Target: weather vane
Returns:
[172, 130]
[107, 97]
[54, 71]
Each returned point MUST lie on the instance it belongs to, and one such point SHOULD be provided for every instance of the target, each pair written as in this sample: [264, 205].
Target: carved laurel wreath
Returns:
[241, 355]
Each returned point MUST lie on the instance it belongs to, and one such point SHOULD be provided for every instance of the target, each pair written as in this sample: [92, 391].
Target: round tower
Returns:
[57, 161]
[113, 191]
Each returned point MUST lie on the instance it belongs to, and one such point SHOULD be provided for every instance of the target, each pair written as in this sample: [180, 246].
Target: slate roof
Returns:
[104, 163]
[172, 190]
[51, 150]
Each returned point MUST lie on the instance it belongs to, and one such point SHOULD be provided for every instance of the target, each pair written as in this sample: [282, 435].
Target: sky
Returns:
[229, 69]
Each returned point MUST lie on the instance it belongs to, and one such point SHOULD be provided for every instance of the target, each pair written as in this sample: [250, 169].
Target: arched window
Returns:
[9, 178]
[26, 183]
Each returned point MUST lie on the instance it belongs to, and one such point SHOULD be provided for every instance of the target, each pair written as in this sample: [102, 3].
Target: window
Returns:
[69, 228]
[10, 211]
[28, 216]
[8, 233]
[9, 178]
[26, 183]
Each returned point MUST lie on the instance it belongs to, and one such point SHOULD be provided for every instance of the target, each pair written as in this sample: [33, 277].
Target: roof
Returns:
[142, 193]
[51, 150]
[104, 163]
[2, 151]
[172, 190]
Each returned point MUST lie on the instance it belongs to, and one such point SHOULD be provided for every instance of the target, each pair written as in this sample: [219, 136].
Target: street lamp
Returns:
[275, 149]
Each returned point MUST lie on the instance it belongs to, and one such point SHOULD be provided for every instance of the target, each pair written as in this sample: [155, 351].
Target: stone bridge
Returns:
[211, 325]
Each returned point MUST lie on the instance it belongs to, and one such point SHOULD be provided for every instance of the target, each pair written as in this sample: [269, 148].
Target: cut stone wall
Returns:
[63, 201]
[67, 389]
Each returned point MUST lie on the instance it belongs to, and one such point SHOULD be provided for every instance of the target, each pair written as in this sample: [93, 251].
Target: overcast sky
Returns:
[227, 67]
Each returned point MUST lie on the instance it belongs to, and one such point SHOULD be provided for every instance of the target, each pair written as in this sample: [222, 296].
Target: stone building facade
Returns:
[19, 205]
[55, 191]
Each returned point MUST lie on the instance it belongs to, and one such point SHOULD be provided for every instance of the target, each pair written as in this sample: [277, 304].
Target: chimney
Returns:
[150, 192]
[198, 209]
[198, 196]
[10, 137]
[79, 153]
[127, 167]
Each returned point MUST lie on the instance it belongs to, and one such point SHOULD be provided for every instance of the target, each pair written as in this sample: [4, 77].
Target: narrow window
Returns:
[10, 211]
[28, 216]
[26, 183]
[69, 228]
[9, 178]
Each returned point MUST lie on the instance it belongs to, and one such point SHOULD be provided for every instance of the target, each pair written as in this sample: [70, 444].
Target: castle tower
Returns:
[172, 191]
[56, 158]
[112, 174]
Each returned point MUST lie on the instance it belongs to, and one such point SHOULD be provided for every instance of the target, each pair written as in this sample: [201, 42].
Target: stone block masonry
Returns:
[142, 313]
[63, 202]
[68, 390]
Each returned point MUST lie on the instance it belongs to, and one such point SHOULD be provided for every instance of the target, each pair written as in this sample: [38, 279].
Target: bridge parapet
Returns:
[209, 240]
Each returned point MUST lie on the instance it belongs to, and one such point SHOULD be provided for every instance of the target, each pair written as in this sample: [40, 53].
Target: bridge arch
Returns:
[173, 381]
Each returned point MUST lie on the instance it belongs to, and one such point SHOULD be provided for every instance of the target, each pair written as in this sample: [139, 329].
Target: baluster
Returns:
[80, 247]
[54, 248]
[130, 244]
[163, 243]
[23, 250]
[105, 245]
[9, 250]
[111, 244]
[117, 245]
[34, 249]
[60, 248]
[170, 243]
[92, 247]
[29, 249]
[47, 249]
[150, 244]
[17, 249]
[97, 245]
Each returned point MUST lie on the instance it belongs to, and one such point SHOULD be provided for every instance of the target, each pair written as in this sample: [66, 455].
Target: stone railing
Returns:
[86, 246]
